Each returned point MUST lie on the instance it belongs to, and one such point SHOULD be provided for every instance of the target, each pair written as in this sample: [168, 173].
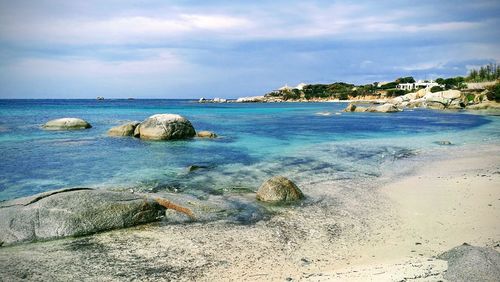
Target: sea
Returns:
[306, 142]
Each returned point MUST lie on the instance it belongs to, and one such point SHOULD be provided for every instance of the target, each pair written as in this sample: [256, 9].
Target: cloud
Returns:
[192, 46]
[119, 30]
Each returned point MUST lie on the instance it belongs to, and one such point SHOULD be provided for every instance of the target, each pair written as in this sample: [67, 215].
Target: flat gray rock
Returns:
[73, 212]
[470, 263]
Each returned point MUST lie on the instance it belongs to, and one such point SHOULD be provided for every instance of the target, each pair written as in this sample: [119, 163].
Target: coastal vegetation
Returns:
[348, 91]
[489, 72]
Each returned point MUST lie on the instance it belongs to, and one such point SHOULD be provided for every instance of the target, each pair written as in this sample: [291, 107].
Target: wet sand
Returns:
[341, 232]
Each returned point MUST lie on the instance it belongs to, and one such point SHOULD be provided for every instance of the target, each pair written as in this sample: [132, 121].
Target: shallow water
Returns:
[308, 142]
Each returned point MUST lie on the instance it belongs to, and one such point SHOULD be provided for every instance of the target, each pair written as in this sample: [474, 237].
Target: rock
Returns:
[124, 129]
[206, 134]
[470, 263]
[73, 212]
[350, 108]
[219, 100]
[66, 124]
[279, 189]
[417, 103]
[385, 108]
[192, 168]
[435, 105]
[253, 99]
[484, 106]
[444, 142]
[421, 93]
[451, 94]
[165, 127]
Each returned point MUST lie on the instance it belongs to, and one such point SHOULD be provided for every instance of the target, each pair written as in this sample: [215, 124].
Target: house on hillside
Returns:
[417, 85]
[299, 86]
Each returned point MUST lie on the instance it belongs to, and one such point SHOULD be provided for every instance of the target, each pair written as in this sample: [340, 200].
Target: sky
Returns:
[193, 49]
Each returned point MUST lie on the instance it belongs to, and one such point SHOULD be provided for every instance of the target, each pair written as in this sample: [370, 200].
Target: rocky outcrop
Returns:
[206, 134]
[485, 106]
[449, 99]
[279, 189]
[66, 124]
[253, 99]
[385, 108]
[470, 263]
[73, 212]
[165, 127]
[124, 129]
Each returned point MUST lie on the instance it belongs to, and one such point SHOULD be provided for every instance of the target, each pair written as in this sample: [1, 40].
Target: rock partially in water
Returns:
[206, 134]
[126, 129]
[73, 212]
[279, 189]
[385, 108]
[350, 108]
[443, 142]
[192, 168]
[470, 263]
[66, 124]
[165, 127]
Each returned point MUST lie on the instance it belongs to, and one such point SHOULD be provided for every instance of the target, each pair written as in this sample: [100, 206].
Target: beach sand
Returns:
[386, 233]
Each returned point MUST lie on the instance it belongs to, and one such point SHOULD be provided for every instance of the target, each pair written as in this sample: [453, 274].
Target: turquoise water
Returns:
[256, 141]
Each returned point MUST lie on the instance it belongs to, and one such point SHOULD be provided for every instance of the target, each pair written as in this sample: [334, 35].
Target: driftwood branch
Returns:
[169, 205]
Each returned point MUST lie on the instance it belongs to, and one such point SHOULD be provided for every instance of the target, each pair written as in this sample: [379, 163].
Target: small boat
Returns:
[100, 98]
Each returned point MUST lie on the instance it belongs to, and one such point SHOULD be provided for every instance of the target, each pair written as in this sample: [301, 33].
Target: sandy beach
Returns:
[387, 233]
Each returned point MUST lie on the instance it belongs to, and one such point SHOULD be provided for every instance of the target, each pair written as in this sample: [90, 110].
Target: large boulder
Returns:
[73, 212]
[279, 189]
[66, 124]
[353, 108]
[124, 129]
[165, 127]
[385, 108]
[470, 263]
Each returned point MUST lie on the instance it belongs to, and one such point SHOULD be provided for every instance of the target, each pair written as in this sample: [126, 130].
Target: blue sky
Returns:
[192, 49]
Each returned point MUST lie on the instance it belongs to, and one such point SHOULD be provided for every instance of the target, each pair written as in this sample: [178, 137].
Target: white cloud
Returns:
[120, 30]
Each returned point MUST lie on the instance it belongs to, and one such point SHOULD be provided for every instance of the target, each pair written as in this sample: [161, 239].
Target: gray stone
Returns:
[165, 127]
[435, 105]
[124, 129]
[350, 108]
[66, 124]
[385, 108]
[206, 134]
[73, 212]
[279, 189]
[470, 263]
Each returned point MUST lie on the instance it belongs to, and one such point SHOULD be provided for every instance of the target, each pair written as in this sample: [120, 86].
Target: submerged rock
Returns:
[206, 134]
[192, 168]
[66, 124]
[165, 127]
[470, 263]
[73, 212]
[279, 189]
[124, 129]
[443, 142]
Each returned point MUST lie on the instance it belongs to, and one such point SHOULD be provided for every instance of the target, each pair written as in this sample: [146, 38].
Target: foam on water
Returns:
[256, 141]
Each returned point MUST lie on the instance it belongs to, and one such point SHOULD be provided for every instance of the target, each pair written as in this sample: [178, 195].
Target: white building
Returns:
[417, 85]
[299, 86]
